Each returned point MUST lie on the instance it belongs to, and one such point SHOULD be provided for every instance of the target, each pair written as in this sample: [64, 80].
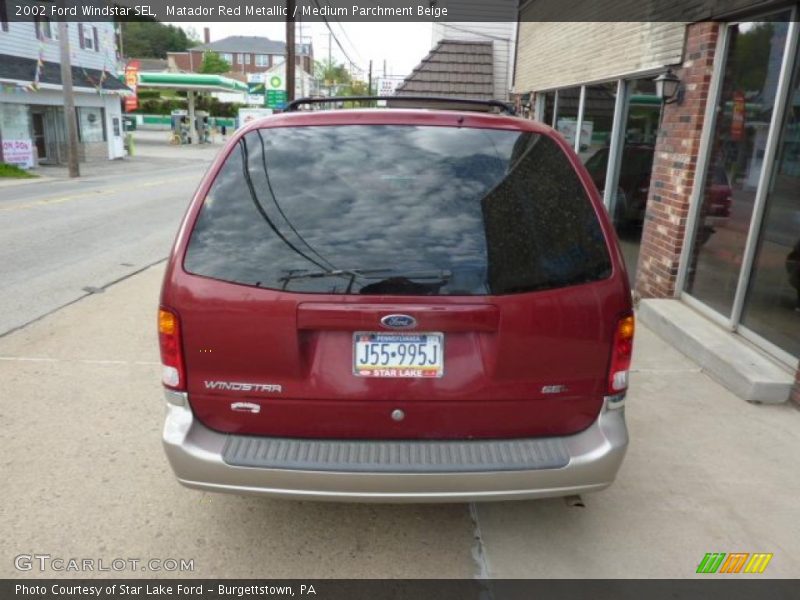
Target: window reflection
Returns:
[747, 100]
[398, 210]
[772, 304]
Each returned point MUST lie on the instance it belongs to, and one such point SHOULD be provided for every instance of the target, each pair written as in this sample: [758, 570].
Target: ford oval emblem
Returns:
[399, 321]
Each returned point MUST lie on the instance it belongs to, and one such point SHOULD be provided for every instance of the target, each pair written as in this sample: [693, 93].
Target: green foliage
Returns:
[751, 57]
[165, 106]
[214, 63]
[148, 94]
[151, 39]
[329, 73]
[14, 171]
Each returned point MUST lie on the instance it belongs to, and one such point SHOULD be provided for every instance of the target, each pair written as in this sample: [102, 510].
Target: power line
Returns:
[336, 39]
[347, 37]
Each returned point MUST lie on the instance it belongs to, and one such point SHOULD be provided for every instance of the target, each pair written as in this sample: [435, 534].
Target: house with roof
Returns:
[471, 59]
[32, 124]
[244, 53]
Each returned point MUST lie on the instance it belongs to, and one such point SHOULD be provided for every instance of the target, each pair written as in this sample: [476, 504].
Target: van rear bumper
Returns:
[396, 471]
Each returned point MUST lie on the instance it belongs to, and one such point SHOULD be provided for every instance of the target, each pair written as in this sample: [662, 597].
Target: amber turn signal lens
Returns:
[626, 328]
[166, 322]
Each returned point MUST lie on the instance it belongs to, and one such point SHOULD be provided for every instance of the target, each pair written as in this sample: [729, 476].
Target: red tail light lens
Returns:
[621, 353]
[169, 339]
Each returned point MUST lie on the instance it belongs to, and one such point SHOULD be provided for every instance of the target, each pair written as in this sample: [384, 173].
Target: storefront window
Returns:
[772, 304]
[17, 143]
[598, 119]
[632, 183]
[744, 111]
[549, 106]
[567, 113]
[90, 124]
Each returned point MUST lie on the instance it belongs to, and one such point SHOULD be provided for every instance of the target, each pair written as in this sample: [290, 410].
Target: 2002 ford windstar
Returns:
[396, 305]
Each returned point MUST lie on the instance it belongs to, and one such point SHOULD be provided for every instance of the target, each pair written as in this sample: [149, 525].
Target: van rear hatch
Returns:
[369, 281]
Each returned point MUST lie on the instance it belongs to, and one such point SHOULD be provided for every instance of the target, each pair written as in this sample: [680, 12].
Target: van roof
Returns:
[397, 116]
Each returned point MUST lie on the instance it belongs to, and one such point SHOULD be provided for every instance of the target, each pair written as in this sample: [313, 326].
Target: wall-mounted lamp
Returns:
[669, 88]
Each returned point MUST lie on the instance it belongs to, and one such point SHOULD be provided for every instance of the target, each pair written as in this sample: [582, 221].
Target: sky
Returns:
[401, 44]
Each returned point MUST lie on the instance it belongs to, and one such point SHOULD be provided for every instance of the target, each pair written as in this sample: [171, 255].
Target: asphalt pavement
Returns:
[63, 239]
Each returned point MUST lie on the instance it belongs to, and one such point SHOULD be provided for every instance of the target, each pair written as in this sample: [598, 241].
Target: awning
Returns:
[196, 82]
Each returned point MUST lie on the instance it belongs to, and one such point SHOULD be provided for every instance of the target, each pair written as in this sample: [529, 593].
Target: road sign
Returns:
[276, 98]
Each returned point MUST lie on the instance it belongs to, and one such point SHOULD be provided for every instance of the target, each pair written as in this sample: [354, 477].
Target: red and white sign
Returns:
[132, 81]
[738, 117]
[18, 152]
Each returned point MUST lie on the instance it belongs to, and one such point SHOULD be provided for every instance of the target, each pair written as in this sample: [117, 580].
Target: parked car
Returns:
[396, 305]
[718, 197]
[634, 181]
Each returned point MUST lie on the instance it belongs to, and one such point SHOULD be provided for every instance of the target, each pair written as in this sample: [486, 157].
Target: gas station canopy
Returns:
[191, 82]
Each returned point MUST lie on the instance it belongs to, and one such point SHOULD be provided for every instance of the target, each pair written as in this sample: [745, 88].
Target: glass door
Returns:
[772, 302]
[753, 58]
[744, 260]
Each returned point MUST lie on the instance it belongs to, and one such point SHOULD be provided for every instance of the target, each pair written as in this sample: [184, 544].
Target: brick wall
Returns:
[674, 167]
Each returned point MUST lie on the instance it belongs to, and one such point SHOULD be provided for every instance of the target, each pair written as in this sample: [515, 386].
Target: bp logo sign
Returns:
[276, 82]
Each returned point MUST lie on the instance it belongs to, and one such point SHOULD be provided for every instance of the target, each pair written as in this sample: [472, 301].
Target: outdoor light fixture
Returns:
[669, 88]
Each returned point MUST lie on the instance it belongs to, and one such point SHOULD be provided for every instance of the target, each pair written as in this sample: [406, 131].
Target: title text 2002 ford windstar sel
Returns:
[396, 305]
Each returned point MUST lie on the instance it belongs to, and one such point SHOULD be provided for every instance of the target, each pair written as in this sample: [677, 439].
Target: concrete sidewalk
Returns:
[85, 476]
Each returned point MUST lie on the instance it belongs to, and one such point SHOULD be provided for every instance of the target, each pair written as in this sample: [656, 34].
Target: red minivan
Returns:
[396, 305]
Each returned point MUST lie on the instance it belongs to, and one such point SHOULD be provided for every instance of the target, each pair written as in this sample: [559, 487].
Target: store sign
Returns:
[738, 117]
[132, 81]
[18, 152]
[386, 86]
[569, 129]
[276, 82]
[251, 114]
[276, 98]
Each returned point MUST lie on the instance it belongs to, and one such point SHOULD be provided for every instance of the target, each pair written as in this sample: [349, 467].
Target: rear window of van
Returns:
[395, 209]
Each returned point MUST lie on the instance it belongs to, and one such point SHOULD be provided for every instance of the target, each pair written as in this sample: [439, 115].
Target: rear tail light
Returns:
[169, 339]
[621, 353]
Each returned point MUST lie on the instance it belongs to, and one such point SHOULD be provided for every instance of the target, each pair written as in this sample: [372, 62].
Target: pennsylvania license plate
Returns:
[398, 354]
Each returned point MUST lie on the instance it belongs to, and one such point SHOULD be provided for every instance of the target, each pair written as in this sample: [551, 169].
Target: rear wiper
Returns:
[439, 275]
[295, 274]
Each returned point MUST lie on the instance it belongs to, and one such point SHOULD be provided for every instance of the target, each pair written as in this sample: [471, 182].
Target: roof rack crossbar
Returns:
[505, 107]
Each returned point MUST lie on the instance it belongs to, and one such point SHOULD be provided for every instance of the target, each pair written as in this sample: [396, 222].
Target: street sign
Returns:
[276, 98]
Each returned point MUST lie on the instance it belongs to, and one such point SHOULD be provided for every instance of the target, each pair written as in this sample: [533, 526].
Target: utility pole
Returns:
[290, 50]
[69, 100]
[330, 66]
[369, 84]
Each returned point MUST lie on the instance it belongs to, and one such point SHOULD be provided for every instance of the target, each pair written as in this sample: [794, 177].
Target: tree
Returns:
[330, 73]
[151, 39]
[214, 63]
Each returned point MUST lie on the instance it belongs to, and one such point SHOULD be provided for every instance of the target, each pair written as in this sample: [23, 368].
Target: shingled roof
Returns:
[453, 68]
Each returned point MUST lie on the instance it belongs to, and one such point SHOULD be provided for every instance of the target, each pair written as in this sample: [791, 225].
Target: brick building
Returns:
[704, 189]
[246, 54]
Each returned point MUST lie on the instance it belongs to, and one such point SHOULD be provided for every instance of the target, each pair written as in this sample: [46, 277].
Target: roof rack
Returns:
[505, 107]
